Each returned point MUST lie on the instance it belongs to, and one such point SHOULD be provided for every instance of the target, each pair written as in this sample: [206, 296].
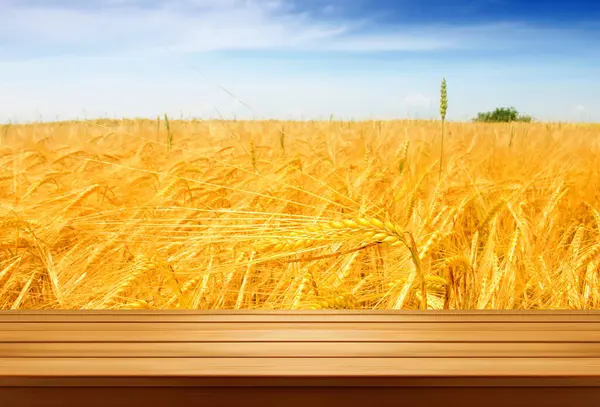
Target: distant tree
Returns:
[502, 114]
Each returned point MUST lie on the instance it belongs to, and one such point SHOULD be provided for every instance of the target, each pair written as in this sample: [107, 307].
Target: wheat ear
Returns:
[370, 230]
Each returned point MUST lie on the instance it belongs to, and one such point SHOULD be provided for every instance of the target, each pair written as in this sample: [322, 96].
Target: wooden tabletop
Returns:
[299, 344]
[223, 358]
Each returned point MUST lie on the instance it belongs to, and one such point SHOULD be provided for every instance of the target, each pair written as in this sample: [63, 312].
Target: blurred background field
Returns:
[159, 214]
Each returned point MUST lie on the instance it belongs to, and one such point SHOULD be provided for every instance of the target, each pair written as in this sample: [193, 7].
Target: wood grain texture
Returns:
[330, 316]
[224, 352]
[315, 367]
[298, 350]
[265, 396]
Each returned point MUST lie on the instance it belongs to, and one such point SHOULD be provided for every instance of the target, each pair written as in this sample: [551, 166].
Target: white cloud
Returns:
[418, 100]
[113, 26]
[418, 105]
[185, 25]
[71, 58]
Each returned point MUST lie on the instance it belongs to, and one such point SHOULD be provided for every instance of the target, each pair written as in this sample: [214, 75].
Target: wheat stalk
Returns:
[443, 109]
[370, 231]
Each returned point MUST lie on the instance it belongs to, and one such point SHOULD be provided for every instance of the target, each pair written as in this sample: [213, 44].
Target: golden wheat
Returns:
[299, 215]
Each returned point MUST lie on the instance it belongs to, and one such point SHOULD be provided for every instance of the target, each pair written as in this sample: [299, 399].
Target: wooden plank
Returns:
[299, 381]
[383, 327]
[264, 396]
[295, 349]
[308, 367]
[331, 316]
[357, 334]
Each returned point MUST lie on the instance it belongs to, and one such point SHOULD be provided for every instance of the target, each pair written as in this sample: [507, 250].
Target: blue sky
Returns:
[298, 59]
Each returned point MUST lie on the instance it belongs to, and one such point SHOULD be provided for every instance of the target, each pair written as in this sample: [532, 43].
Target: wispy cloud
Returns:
[303, 58]
[112, 26]
[33, 27]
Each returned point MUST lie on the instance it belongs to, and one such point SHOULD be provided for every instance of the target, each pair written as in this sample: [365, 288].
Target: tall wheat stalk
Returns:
[282, 140]
[169, 133]
[443, 109]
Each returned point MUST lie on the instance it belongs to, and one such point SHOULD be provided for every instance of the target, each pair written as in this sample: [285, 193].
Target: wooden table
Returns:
[146, 358]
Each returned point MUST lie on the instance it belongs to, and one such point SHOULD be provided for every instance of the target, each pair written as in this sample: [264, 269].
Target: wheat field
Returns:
[159, 214]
